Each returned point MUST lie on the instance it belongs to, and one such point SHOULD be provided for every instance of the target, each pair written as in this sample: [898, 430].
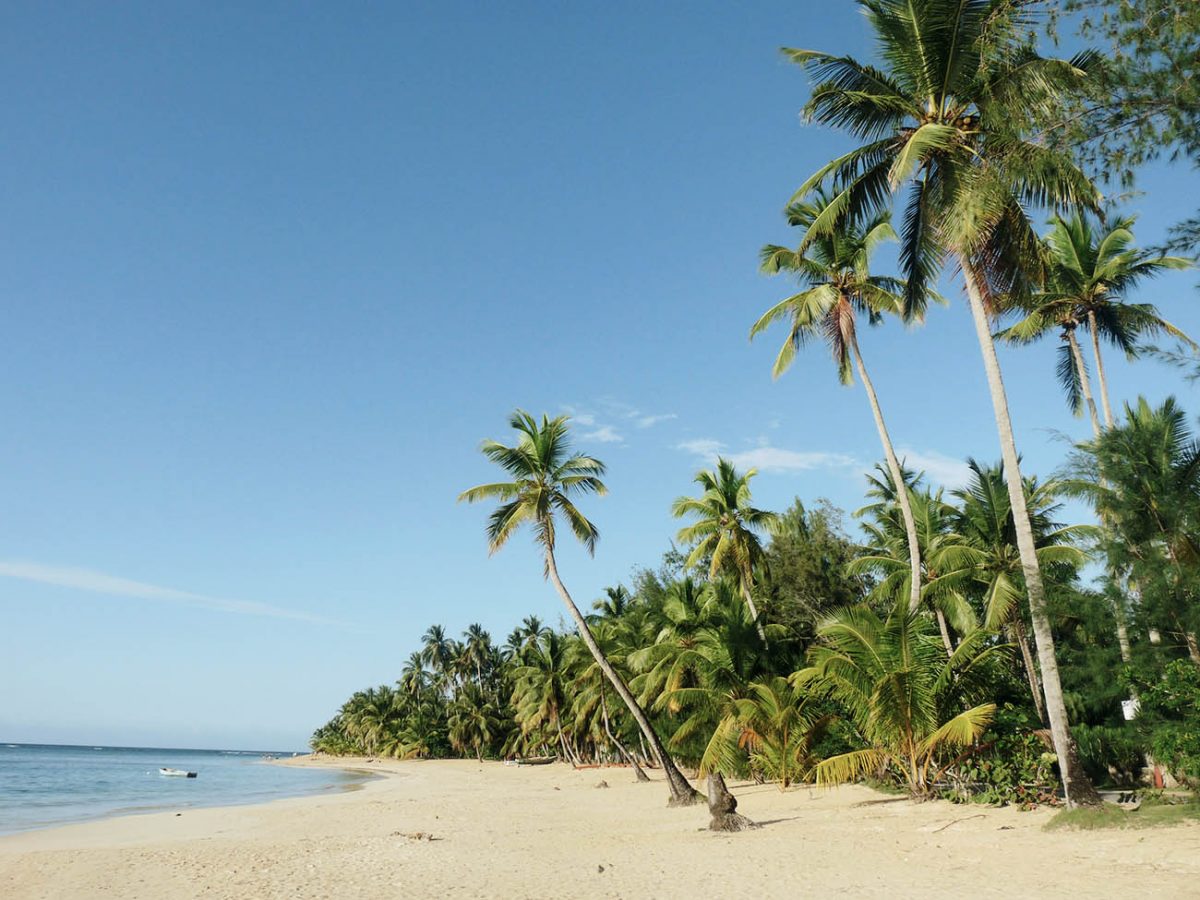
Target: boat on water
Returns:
[176, 773]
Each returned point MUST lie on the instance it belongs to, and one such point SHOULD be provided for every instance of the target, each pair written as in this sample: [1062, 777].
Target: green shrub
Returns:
[1111, 754]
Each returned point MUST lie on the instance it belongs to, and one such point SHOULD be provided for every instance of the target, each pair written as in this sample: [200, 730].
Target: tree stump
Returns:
[723, 806]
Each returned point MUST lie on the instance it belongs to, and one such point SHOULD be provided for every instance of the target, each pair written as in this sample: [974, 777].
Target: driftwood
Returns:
[723, 806]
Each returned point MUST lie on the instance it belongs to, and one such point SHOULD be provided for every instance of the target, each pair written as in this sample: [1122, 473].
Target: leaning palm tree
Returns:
[1088, 276]
[726, 530]
[546, 474]
[947, 116]
[838, 288]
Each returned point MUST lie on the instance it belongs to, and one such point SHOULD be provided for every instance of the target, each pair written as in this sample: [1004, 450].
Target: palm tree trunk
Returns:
[910, 524]
[1021, 639]
[945, 630]
[682, 793]
[762, 634]
[1077, 786]
[1085, 387]
[1085, 383]
[637, 770]
[1108, 416]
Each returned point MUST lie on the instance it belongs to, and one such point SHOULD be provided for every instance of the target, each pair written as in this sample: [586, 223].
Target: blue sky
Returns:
[270, 276]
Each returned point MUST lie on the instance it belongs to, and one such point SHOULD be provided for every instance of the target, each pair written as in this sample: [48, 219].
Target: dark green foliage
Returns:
[807, 574]
[1111, 754]
[1014, 765]
[1169, 718]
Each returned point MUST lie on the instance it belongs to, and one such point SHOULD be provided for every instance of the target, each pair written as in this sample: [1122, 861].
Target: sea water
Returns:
[44, 784]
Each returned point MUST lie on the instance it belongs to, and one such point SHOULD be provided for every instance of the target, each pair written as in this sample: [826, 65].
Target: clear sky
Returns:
[270, 274]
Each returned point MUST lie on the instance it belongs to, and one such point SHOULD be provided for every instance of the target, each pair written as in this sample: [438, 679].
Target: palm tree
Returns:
[1143, 477]
[545, 475]
[478, 650]
[475, 722]
[540, 694]
[947, 115]
[885, 556]
[726, 528]
[902, 693]
[614, 603]
[835, 272]
[438, 651]
[774, 722]
[986, 554]
[1088, 276]
[414, 678]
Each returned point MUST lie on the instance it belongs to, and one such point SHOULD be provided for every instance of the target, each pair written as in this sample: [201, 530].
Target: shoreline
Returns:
[459, 828]
[364, 775]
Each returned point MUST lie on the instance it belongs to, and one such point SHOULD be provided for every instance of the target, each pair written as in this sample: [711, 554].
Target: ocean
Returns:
[42, 785]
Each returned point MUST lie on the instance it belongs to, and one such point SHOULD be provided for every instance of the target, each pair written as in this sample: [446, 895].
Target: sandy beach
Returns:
[549, 831]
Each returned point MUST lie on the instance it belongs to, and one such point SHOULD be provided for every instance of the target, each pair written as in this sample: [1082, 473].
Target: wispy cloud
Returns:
[705, 447]
[650, 421]
[766, 458]
[605, 434]
[947, 471]
[778, 459]
[100, 583]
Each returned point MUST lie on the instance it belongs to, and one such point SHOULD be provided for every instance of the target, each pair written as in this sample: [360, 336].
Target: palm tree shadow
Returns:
[766, 822]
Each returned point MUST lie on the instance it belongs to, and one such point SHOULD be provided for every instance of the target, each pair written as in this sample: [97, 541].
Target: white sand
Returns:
[548, 832]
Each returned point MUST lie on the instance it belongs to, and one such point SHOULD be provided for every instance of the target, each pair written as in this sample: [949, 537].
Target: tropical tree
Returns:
[1088, 278]
[838, 288]
[727, 528]
[437, 649]
[886, 554]
[947, 117]
[546, 475]
[985, 554]
[918, 711]
[475, 722]
[775, 722]
[1143, 477]
[540, 689]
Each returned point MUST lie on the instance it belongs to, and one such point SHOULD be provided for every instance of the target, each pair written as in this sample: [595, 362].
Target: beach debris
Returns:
[602, 783]
[416, 835]
[723, 806]
[599, 868]
[956, 821]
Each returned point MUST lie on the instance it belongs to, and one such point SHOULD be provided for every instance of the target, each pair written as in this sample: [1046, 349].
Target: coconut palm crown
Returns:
[546, 474]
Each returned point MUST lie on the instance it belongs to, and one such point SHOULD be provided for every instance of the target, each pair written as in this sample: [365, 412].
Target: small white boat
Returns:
[176, 773]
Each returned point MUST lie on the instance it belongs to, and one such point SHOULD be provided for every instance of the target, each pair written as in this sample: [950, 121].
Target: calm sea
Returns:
[44, 784]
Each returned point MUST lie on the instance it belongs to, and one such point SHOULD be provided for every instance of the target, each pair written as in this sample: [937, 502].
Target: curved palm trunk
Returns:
[1085, 383]
[1076, 785]
[682, 793]
[1100, 378]
[1021, 639]
[910, 524]
[637, 770]
[762, 634]
[945, 630]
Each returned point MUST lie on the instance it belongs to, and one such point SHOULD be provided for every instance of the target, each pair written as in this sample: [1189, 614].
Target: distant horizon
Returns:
[94, 746]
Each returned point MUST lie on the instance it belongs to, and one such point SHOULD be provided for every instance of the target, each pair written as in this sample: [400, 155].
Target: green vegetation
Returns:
[966, 644]
[1148, 815]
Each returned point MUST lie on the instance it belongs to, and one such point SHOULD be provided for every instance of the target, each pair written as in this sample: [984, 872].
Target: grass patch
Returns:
[1155, 812]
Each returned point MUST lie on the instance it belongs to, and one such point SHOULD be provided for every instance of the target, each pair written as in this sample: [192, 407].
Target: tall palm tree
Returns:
[947, 115]
[986, 554]
[726, 530]
[478, 647]
[614, 603]
[1088, 277]
[838, 288]
[437, 649]
[1143, 477]
[546, 474]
